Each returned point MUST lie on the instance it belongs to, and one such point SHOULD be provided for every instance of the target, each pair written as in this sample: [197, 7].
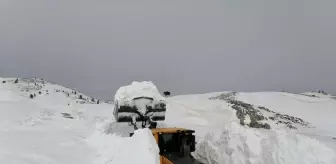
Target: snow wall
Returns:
[141, 148]
[241, 145]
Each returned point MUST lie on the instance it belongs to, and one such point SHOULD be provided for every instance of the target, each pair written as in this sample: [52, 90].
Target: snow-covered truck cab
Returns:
[146, 106]
[139, 102]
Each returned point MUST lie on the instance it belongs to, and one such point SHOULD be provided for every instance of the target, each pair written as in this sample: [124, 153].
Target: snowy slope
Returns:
[59, 127]
[35, 130]
[319, 111]
[46, 92]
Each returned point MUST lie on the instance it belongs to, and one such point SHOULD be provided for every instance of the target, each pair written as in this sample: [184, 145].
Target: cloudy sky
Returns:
[184, 46]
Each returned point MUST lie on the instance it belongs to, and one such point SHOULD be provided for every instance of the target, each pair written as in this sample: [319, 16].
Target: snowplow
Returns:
[175, 144]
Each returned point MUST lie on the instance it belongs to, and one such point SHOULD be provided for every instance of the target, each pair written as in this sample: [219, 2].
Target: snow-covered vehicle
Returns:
[138, 101]
[142, 102]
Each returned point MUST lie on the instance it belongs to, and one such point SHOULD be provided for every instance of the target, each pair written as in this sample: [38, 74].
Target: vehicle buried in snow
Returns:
[141, 102]
[138, 102]
[146, 106]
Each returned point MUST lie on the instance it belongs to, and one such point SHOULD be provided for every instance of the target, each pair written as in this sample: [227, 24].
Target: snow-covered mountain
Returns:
[35, 88]
[42, 122]
[47, 127]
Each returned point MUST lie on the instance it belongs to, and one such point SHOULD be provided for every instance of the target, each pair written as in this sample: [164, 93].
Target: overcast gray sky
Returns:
[184, 46]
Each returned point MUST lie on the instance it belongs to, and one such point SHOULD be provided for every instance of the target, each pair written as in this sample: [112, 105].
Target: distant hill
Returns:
[35, 88]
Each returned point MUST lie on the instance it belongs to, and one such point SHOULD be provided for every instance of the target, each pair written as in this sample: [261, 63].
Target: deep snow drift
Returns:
[60, 126]
[114, 149]
[241, 145]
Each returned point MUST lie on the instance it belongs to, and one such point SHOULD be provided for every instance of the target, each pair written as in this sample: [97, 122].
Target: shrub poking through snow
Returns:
[67, 115]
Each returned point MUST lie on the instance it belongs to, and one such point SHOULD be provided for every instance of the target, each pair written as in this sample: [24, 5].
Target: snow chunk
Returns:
[240, 145]
[143, 148]
[113, 149]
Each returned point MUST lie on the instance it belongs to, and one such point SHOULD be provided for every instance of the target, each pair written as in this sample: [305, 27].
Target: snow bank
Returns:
[113, 149]
[140, 148]
[241, 145]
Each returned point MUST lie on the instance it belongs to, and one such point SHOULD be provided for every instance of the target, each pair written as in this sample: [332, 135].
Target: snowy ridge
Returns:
[319, 112]
[319, 94]
[259, 116]
[41, 89]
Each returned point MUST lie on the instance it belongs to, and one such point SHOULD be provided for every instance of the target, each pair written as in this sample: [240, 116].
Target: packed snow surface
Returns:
[57, 126]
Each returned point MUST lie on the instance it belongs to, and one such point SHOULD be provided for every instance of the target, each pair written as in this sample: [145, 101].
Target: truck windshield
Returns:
[168, 143]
